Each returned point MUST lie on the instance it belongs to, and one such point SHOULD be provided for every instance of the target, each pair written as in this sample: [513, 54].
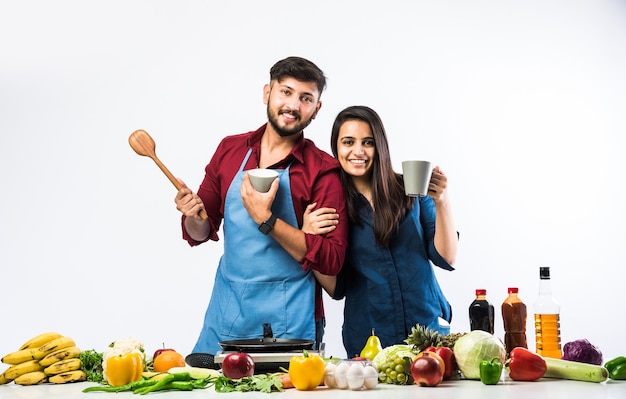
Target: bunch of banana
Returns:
[46, 357]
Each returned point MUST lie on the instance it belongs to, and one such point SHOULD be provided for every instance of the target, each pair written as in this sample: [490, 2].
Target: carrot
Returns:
[286, 381]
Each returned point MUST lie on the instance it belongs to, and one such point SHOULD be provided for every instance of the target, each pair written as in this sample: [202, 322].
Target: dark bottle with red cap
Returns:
[514, 318]
[481, 312]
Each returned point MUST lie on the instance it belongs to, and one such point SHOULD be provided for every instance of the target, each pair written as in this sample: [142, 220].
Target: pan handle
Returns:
[267, 331]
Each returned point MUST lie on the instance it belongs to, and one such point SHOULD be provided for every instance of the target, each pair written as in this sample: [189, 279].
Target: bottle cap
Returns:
[513, 290]
[481, 291]
[544, 273]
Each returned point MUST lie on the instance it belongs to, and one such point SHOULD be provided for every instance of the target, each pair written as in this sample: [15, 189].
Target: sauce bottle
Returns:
[547, 323]
[481, 312]
[514, 318]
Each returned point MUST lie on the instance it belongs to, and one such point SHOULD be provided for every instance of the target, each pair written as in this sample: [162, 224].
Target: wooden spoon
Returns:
[144, 145]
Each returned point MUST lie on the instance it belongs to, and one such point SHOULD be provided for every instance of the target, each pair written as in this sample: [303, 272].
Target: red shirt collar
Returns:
[254, 141]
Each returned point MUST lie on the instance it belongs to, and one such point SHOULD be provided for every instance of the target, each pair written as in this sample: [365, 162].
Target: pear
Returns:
[372, 347]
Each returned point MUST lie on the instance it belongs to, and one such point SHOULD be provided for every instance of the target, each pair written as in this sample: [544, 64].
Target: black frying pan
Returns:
[266, 344]
[204, 360]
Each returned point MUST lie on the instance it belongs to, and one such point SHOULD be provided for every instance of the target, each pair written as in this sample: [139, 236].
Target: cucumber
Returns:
[570, 370]
[197, 373]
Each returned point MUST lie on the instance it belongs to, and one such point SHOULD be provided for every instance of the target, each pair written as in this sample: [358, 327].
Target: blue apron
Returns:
[257, 281]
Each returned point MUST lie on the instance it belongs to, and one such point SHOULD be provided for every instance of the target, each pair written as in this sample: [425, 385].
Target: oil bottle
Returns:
[547, 318]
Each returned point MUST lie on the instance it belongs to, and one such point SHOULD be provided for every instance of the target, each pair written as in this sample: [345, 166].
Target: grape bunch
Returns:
[396, 370]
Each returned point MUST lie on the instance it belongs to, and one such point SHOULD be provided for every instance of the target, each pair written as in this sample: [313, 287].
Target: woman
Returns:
[387, 280]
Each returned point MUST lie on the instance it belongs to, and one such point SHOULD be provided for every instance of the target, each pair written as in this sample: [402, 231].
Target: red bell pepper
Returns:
[524, 365]
[448, 359]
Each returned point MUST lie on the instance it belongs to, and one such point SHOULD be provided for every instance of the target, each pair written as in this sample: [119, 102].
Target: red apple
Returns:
[449, 361]
[238, 365]
[427, 369]
[159, 351]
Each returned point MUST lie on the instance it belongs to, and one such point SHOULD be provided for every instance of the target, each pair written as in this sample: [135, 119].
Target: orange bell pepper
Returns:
[306, 371]
[124, 369]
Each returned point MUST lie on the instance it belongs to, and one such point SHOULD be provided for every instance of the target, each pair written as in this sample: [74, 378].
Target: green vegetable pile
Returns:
[176, 382]
[184, 382]
[91, 364]
[259, 382]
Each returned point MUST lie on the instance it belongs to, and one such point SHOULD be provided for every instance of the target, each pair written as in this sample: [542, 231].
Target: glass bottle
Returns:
[547, 321]
[481, 312]
[514, 318]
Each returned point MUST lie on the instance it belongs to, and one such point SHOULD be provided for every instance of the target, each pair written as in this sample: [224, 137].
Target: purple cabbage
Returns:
[582, 351]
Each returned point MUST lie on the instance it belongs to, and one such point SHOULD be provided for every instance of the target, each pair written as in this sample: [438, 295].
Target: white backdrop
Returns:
[520, 102]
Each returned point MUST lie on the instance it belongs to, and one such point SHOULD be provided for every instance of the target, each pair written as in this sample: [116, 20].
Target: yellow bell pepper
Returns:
[124, 369]
[306, 371]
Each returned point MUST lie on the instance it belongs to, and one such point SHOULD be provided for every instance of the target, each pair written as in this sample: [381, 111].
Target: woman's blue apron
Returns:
[257, 281]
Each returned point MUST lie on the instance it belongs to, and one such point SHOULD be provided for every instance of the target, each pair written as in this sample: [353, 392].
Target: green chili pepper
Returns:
[490, 371]
[617, 368]
[122, 388]
[178, 386]
[164, 382]
[203, 383]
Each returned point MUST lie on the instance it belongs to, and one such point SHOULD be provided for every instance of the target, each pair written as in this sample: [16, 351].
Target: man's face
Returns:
[291, 105]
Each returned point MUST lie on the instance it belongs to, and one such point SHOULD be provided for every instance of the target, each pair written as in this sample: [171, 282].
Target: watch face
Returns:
[265, 228]
[268, 225]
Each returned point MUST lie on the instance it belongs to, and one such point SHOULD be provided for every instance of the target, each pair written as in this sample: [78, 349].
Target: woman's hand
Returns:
[319, 221]
[438, 185]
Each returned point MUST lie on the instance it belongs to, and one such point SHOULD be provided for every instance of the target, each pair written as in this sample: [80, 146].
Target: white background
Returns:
[520, 102]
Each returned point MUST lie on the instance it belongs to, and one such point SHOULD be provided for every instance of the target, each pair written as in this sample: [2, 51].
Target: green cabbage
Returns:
[475, 346]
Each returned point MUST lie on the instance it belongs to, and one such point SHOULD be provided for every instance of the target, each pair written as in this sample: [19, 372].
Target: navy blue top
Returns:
[391, 289]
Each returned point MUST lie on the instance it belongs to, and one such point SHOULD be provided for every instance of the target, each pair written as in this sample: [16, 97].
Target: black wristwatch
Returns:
[268, 225]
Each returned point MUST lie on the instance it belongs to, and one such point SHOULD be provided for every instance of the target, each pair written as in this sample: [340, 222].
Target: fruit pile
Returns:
[48, 357]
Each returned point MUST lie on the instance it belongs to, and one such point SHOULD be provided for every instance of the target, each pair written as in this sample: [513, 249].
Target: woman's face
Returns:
[356, 148]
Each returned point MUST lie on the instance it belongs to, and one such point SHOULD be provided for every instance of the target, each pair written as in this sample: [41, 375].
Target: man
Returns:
[265, 275]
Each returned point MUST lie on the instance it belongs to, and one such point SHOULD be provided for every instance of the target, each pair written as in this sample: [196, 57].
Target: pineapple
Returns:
[450, 339]
[422, 337]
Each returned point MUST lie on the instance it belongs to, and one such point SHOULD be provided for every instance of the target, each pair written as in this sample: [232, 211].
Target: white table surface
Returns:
[465, 389]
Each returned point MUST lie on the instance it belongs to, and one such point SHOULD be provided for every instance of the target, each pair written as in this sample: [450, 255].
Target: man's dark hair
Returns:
[300, 69]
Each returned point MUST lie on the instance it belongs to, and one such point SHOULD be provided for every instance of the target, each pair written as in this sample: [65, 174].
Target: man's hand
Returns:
[258, 205]
[188, 203]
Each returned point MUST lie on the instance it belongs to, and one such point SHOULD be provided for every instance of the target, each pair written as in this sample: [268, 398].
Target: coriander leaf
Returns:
[91, 364]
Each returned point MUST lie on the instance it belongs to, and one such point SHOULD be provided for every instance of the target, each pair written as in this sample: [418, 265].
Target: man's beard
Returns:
[272, 118]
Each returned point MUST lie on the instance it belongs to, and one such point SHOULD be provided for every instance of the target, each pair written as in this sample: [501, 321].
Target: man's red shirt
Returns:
[314, 177]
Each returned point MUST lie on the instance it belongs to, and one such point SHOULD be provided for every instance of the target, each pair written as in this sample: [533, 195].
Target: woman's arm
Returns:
[446, 238]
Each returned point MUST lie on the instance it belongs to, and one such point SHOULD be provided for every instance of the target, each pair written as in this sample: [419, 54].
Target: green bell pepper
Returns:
[490, 371]
[617, 368]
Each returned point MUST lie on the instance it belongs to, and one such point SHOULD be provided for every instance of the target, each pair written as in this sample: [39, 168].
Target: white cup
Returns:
[262, 179]
[416, 177]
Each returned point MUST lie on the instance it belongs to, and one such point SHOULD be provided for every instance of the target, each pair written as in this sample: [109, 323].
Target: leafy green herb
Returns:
[91, 364]
[260, 382]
